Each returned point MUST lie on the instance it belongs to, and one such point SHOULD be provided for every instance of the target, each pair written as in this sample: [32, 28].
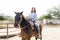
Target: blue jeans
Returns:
[36, 27]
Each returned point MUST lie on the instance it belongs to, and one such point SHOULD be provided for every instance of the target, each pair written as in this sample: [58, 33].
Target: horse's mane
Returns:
[24, 22]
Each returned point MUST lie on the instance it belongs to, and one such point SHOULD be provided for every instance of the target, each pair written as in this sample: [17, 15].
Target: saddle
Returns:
[32, 24]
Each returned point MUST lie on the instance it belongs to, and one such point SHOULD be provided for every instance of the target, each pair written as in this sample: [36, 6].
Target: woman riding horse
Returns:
[26, 29]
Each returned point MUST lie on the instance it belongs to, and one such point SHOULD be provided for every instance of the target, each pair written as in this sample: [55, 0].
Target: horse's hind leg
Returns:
[41, 32]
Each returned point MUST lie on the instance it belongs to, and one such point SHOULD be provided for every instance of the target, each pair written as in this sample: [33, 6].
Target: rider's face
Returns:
[33, 9]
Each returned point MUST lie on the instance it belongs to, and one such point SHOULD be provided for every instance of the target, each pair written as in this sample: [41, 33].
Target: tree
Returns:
[3, 17]
[9, 18]
[48, 16]
[55, 12]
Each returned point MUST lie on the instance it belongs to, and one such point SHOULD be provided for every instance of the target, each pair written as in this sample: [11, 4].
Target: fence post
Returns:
[7, 30]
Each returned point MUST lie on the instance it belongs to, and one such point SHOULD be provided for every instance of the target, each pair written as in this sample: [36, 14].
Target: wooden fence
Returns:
[7, 26]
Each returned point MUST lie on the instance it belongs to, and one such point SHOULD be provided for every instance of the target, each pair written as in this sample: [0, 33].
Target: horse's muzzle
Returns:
[16, 25]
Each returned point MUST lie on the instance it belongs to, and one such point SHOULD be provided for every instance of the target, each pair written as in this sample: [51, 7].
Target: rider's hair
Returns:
[33, 8]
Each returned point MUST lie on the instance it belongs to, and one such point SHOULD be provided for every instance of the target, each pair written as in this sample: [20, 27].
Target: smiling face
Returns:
[18, 18]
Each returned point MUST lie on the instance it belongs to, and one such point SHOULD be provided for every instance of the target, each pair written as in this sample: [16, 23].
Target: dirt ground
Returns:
[49, 32]
[17, 38]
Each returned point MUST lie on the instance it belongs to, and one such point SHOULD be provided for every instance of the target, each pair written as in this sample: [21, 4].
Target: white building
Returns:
[52, 21]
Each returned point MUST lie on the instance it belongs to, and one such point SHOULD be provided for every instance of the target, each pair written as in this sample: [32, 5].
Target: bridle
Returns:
[20, 22]
[24, 27]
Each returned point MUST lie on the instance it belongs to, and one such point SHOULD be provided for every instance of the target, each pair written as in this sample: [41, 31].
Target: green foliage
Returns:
[2, 18]
[55, 12]
[52, 13]
[6, 18]
[10, 18]
[43, 17]
[48, 16]
[26, 17]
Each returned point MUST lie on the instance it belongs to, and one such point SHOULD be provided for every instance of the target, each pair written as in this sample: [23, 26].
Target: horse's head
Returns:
[18, 19]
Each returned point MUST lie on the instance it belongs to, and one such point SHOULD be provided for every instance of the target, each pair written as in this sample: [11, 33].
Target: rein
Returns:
[24, 27]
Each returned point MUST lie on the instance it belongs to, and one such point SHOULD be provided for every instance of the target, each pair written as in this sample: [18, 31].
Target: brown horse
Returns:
[26, 29]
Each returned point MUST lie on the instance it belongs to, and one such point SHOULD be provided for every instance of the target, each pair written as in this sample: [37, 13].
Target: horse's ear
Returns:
[15, 13]
[21, 12]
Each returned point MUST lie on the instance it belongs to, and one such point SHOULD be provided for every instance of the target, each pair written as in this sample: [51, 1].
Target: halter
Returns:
[24, 27]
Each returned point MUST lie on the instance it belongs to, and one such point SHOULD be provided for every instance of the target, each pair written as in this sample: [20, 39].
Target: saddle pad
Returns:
[31, 23]
[37, 23]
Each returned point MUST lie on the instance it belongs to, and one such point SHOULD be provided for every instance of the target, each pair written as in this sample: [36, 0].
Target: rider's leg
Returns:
[36, 28]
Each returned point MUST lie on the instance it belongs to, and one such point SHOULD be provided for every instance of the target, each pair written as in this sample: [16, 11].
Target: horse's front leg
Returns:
[36, 38]
[28, 39]
[23, 39]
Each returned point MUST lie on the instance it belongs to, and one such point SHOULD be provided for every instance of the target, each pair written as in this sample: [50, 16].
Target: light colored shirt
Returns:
[32, 16]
